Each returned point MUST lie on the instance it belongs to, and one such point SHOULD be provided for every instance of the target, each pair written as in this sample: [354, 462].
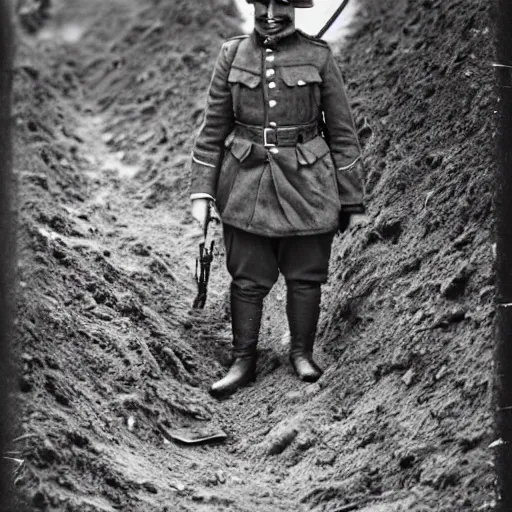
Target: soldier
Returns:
[279, 158]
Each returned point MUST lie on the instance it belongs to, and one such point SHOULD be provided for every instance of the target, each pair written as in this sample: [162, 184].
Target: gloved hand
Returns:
[358, 218]
[349, 220]
[201, 211]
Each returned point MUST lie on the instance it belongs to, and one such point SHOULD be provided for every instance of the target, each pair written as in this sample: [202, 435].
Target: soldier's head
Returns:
[272, 17]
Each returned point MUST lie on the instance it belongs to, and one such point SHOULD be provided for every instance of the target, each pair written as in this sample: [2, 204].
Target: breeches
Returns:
[254, 261]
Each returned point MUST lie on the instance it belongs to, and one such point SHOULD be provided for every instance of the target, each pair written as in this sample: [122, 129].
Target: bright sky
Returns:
[311, 20]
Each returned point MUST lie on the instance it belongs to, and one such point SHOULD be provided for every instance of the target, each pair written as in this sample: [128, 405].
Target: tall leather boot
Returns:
[246, 320]
[303, 310]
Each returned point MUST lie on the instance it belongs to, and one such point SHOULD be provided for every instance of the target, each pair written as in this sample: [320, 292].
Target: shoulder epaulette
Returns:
[313, 39]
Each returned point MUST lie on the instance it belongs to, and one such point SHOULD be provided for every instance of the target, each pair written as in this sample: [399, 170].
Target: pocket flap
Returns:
[237, 75]
[309, 152]
[300, 75]
[241, 148]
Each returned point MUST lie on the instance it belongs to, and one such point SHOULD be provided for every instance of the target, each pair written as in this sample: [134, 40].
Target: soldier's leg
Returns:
[252, 263]
[304, 262]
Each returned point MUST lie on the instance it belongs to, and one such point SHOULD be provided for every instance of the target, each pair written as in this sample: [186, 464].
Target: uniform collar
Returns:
[250, 56]
[275, 42]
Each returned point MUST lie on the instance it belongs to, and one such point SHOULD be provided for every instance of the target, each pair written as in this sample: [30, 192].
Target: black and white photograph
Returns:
[256, 255]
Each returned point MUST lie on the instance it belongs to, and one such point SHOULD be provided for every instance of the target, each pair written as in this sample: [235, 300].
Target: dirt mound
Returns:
[409, 313]
[108, 99]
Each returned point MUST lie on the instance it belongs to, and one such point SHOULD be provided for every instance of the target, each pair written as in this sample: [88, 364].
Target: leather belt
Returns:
[286, 136]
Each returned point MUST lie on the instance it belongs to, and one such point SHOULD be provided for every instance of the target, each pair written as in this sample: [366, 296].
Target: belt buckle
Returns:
[265, 137]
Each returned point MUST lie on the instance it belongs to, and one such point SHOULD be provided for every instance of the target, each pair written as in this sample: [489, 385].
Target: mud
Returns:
[109, 349]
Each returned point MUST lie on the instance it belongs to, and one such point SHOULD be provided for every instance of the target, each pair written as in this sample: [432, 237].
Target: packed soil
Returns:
[108, 97]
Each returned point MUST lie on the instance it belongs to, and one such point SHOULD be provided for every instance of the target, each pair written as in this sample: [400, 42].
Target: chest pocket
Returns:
[300, 76]
[241, 76]
[246, 94]
[303, 85]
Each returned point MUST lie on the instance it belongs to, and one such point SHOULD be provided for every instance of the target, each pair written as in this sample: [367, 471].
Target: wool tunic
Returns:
[280, 190]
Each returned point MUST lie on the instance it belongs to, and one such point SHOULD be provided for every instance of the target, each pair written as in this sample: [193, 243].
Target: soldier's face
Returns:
[273, 16]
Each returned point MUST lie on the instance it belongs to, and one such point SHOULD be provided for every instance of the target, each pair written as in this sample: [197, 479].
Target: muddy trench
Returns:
[108, 98]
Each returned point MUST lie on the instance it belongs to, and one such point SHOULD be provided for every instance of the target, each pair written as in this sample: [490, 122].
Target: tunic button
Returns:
[272, 103]
[274, 151]
[270, 73]
[270, 58]
[272, 85]
[301, 82]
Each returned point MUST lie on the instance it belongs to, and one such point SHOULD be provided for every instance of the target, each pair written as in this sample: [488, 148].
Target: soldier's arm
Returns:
[343, 140]
[218, 123]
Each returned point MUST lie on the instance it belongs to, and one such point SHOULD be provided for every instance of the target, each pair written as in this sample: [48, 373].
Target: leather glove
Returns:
[358, 219]
[201, 211]
[348, 220]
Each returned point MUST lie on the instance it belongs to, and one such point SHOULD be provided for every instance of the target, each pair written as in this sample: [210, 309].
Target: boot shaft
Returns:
[303, 311]
[246, 313]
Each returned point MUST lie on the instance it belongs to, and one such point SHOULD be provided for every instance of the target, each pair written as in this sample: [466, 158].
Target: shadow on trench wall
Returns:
[7, 240]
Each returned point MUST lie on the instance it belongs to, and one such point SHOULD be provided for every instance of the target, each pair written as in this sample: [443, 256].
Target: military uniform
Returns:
[278, 95]
[279, 154]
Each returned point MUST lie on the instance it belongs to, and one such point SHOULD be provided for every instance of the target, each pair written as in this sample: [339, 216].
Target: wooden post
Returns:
[503, 207]
[7, 238]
